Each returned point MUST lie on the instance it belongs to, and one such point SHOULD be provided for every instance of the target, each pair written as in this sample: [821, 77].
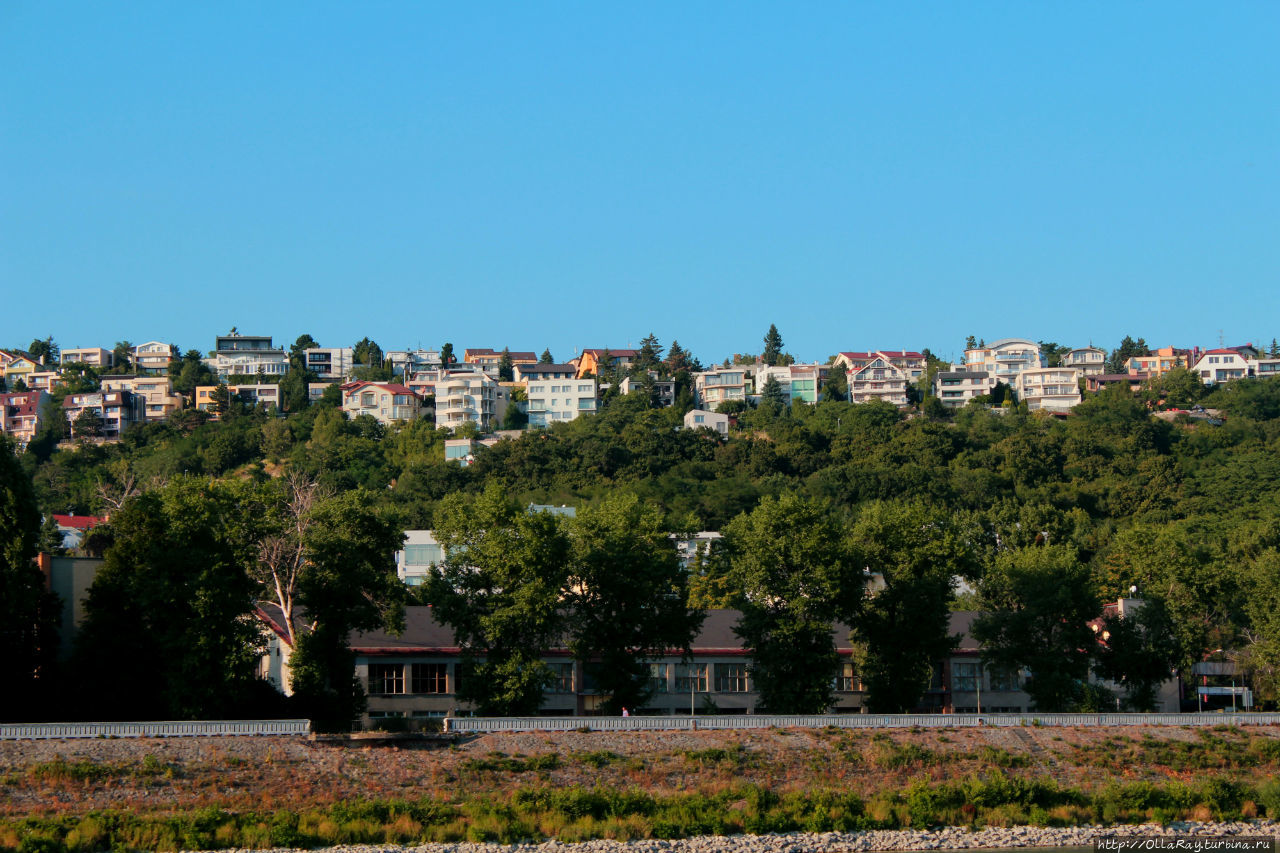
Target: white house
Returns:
[700, 418]
[1004, 359]
[555, 394]
[955, 388]
[1049, 388]
[1222, 365]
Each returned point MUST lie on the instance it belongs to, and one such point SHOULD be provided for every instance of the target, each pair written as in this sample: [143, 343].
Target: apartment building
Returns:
[490, 360]
[384, 401]
[720, 385]
[955, 388]
[408, 363]
[247, 355]
[117, 410]
[95, 357]
[912, 364]
[1054, 389]
[462, 394]
[21, 415]
[1160, 362]
[555, 394]
[330, 364]
[1004, 359]
[880, 379]
[1088, 361]
[159, 400]
[152, 358]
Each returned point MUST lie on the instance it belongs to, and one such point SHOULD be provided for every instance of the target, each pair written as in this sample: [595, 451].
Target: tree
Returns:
[88, 424]
[650, 355]
[506, 367]
[627, 595]
[772, 354]
[499, 590]
[918, 553]
[1274, 351]
[51, 537]
[368, 353]
[167, 621]
[446, 355]
[122, 355]
[771, 394]
[1127, 349]
[1138, 652]
[970, 343]
[836, 388]
[791, 562]
[298, 351]
[190, 371]
[1037, 604]
[45, 352]
[546, 358]
[28, 614]
[678, 359]
[1178, 388]
[347, 583]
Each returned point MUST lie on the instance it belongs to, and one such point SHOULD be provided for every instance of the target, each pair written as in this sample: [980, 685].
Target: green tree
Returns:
[51, 537]
[298, 351]
[546, 358]
[506, 367]
[122, 355]
[1037, 604]
[1139, 651]
[627, 595]
[167, 621]
[295, 388]
[28, 614]
[1128, 348]
[650, 355]
[446, 355]
[772, 354]
[791, 561]
[836, 388]
[347, 582]
[1053, 353]
[46, 351]
[88, 424]
[499, 590]
[771, 394]
[367, 353]
[678, 359]
[970, 342]
[918, 553]
[190, 371]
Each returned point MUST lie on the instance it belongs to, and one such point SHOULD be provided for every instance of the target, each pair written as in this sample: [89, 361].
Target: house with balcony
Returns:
[591, 361]
[462, 394]
[1266, 368]
[912, 364]
[955, 388]
[421, 551]
[1223, 365]
[247, 355]
[408, 363]
[95, 357]
[1160, 362]
[720, 385]
[117, 410]
[1089, 361]
[664, 390]
[1054, 389]
[878, 379]
[22, 415]
[1004, 360]
[159, 400]
[555, 393]
[16, 365]
[1099, 381]
[384, 401]
[330, 364]
[42, 380]
[153, 357]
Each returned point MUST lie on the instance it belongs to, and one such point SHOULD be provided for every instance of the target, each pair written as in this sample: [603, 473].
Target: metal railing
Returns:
[848, 721]
[177, 728]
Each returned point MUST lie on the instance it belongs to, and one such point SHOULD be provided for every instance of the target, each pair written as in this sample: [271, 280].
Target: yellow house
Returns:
[588, 364]
[15, 365]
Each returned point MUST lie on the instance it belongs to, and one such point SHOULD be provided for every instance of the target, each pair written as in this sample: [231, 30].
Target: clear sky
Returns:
[865, 175]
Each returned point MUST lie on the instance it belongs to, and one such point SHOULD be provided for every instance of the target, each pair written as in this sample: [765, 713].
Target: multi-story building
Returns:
[117, 410]
[1004, 359]
[1159, 362]
[421, 551]
[1050, 388]
[42, 380]
[879, 379]
[156, 391]
[490, 360]
[720, 385]
[798, 382]
[95, 357]
[664, 390]
[384, 401]
[247, 355]
[956, 388]
[462, 394]
[249, 394]
[153, 357]
[330, 364]
[408, 363]
[1266, 368]
[1222, 365]
[16, 365]
[912, 364]
[1089, 361]
[21, 415]
[555, 393]
[590, 362]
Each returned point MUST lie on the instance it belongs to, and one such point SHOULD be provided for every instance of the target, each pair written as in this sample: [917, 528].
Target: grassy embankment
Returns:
[755, 783]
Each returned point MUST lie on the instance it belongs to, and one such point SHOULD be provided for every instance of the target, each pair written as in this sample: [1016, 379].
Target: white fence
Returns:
[202, 728]
[848, 721]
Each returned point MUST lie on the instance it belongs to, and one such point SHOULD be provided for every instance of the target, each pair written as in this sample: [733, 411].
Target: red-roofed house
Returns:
[1222, 365]
[21, 413]
[881, 375]
[74, 527]
[384, 401]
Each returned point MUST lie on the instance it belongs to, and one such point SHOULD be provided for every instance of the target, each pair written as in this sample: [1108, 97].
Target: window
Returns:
[429, 678]
[699, 419]
[587, 404]
[422, 555]
[731, 678]
[691, 677]
[658, 675]
[965, 678]
[561, 678]
[1003, 680]
[584, 389]
[847, 680]
[386, 679]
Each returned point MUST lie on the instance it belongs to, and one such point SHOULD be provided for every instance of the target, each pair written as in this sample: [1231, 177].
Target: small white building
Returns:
[1222, 365]
[421, 551]
[956, 388]
[1090, 361]
[703, 419]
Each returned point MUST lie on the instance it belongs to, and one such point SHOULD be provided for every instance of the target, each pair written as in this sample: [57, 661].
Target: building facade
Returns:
[383, 401]
[955, 388]
[720, 385]
[555, 393]
[1004, 360]
[1088, 361]
[1049, 388]
[247, 355]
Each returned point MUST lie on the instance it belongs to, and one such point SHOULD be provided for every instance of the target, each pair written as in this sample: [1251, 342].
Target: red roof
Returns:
[1222, 352]
[79, 522]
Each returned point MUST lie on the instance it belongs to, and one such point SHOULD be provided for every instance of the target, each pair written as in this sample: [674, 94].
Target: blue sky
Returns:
[864, 175]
